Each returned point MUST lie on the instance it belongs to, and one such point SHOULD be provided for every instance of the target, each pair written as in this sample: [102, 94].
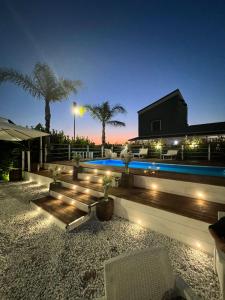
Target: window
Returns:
[156, 125]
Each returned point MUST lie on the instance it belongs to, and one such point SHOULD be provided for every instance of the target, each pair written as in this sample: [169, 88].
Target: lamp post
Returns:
[77, 111]
[74, 119]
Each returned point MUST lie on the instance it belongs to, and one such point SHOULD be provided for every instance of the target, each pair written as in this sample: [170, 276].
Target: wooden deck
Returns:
[186, 206]
[63, 211]
[220, 181]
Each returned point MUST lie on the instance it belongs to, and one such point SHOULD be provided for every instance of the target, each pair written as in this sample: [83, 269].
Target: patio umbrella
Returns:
[12, 132]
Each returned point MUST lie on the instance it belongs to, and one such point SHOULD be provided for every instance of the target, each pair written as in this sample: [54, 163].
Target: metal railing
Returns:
[185, 152]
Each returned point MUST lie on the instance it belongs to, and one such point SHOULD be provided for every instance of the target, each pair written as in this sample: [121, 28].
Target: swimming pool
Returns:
[185, 169]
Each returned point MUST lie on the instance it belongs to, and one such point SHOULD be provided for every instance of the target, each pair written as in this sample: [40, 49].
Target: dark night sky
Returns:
[128, 52]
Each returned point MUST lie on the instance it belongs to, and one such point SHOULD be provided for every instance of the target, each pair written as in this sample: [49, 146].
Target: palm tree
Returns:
[105, 113]
[42, 83]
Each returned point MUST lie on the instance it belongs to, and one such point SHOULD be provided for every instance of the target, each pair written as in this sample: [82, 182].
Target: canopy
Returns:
[12, 132]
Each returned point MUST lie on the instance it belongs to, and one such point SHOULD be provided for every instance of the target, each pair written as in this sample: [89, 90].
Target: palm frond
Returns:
[95, 111]
[24, 81]
[116, 123]
[118, 109]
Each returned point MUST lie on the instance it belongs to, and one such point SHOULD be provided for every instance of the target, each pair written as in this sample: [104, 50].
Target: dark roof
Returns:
[208, 127]
[163, 99]
[192, 130]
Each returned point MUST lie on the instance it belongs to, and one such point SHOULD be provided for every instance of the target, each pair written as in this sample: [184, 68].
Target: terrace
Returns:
[161, 208]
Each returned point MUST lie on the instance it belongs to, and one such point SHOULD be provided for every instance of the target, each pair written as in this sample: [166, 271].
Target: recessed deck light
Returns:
[200, 195]
[154, 186]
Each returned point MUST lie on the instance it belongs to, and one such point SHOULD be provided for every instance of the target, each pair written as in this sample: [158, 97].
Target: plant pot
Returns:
[15, 174]
[104, 209]
[127, 180]
[76, 170]
[55, 185]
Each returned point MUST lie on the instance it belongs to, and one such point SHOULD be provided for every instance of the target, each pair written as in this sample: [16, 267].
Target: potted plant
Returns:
[105, 206]
[76, 168]
[127, 179]
[55, 172]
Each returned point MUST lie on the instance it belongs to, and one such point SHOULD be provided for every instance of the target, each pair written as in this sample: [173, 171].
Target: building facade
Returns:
[168, 118]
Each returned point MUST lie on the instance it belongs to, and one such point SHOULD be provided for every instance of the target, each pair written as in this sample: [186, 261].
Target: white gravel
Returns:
[40, 261]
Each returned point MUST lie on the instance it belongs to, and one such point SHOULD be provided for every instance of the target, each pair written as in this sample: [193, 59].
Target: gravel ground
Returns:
[40, 261]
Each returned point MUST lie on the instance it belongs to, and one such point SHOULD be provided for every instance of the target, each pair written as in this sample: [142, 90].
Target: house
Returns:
[168, 118]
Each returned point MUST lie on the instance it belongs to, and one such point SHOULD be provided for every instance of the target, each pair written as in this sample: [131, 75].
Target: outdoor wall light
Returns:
[200, 194]
[198, 244]
[154, 186]
[175, 142]
[139, 222]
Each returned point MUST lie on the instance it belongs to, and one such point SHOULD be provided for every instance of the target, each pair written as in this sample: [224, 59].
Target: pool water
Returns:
[185, 169]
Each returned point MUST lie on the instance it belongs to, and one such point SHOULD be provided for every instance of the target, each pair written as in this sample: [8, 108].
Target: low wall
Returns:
[203, 191]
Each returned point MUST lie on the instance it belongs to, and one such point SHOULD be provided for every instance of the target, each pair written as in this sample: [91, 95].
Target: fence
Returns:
[208, 151]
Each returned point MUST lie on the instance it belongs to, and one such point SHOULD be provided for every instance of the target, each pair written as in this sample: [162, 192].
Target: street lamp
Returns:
[77, 111]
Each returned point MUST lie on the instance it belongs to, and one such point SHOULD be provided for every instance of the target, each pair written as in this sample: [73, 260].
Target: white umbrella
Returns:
[12, 132]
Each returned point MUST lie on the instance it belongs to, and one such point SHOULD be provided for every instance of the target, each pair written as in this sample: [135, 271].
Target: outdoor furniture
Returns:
[143, 274]
[219, 259]
[124, 151]
[84, 154]
[170, 154]
[142, 152]
[110, 154]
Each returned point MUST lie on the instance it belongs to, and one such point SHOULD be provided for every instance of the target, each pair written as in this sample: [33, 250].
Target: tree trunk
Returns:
[47, 115]
[103, 134]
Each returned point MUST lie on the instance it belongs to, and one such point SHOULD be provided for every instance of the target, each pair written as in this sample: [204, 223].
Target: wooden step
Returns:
[75, 195]
[67, 215]
[89, 177]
